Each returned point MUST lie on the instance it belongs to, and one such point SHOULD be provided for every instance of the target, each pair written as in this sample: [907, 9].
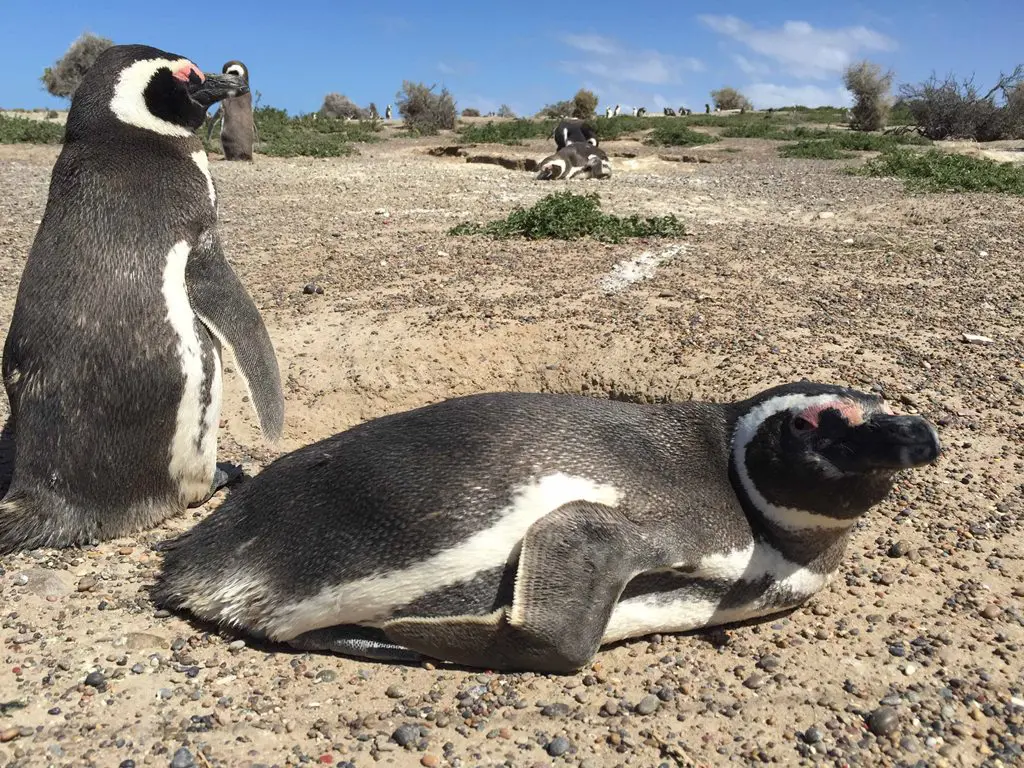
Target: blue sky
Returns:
[527, 54]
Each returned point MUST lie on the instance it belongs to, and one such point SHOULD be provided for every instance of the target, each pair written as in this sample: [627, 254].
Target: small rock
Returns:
[43, 582]
[648, 705]
[973, 338]
[826, 215]
[182, 759]
[9, 734]
[848, 241]
[86, 583]
[991, 611]
[813, 735]
[610, 707]
[96, 680]
[754, 682]
[404, 735]
[883, 721]
[899, 549]
[143, 641]
[940, 248]
[769, 663]
[555, 710]
[558, 746]
[236, 645]
[430, 761]
[394, 692]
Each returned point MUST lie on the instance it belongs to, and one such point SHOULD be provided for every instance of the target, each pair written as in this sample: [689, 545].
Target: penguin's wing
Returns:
[224, 306]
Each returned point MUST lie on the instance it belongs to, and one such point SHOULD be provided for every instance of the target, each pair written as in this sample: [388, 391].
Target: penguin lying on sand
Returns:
[574, 131]
[575, 160]
[112, 363]
[523, 531]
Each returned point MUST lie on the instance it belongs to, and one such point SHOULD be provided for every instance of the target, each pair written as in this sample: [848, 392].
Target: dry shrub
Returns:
[870, 87]
[584, 103]
[506, 111]
[954, 109]
[470, 112]
[730, 98]
[64, 76]
[341, 106]
[424, 111]
[557, 110]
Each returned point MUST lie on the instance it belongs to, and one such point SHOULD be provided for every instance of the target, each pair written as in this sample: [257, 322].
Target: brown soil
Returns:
[790, 269]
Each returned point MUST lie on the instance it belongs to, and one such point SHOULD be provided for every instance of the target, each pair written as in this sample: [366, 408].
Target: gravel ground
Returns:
[911, 657]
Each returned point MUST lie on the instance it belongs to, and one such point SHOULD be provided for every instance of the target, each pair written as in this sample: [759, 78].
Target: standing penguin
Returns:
[523, 531]
[615, 112]
[573, 130]
[238, 127]
[575, 160]
[387, 113]
[112, 363]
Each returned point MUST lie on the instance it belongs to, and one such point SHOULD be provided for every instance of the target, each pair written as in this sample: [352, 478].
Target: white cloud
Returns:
[750, 67]
[456, 67]
[765, 95]
[614, 63]
[801, 49]
[445, 69]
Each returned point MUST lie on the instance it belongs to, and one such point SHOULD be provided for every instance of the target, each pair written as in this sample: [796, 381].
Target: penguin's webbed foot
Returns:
[224, 475]
[355, 640]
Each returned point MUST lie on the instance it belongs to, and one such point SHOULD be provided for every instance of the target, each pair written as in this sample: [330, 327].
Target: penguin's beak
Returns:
[885, 441]
[216, 87]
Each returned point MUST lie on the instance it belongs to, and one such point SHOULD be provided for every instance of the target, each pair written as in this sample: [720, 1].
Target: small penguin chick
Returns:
[524, 531]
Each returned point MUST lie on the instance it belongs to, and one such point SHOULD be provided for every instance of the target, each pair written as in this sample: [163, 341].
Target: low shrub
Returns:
[567, 216]
[508, 132]
[672, 133]
[821, 150]
[936, 171]
[23, 130]
[425, 112]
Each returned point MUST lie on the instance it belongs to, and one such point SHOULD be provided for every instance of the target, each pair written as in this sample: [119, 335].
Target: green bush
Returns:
[557, 110]
[425, 112]
[821, 150]
[64, 76]
[566, 216]
[509, 132]
[611, 128]
[22, 130]
[672, 133]
[935, 171]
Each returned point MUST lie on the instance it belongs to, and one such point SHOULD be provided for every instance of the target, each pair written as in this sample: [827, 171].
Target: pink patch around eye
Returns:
[852, 412]
[184, 73]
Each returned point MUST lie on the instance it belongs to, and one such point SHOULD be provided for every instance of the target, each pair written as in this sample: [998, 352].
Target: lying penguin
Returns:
[524, 531]
[575, 160]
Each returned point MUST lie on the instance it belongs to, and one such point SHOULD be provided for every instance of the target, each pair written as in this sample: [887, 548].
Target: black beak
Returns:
[216, 87]
[890, 442]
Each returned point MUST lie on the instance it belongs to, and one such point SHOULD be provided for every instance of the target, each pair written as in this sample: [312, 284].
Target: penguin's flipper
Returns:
[575, 562]
[354, 640]
[224, 306]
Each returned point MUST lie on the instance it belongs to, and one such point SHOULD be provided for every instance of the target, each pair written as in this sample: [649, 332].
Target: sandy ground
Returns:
[913, 655]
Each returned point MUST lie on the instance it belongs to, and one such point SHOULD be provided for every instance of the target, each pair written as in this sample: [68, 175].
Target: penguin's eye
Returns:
[801, 425]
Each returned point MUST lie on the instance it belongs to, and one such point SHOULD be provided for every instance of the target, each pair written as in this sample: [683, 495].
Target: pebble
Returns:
[96, 680]
[755, 681]
[769, 663]
[404, 735]
[430, 761]
[883, 721]
[86, 583]
[648, 705]
[991, 611]
[813, 735]
[394, 692]
[182, 759]
[555, 710]
[558, 746]
[899, 549]
[973, 338]
[236, 645]
[9, 734]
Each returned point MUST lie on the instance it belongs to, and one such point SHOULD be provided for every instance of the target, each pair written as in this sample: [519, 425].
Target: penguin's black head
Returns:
[147, 88]
[238, 69]
[816, 455]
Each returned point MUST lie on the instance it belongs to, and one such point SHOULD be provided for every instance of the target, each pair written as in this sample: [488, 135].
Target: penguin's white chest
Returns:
[193, 449]
[784, 585]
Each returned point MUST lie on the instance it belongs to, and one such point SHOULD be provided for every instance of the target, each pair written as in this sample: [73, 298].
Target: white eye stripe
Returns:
[129, 100]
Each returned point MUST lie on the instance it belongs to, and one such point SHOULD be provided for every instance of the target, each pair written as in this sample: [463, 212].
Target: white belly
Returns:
[193, 449]
[789, 586]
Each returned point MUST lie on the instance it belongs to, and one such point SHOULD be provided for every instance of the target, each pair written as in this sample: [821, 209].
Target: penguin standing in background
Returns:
[387, 113]
[575, 160]
[112, 363]
[574, 131]
[615, 112]
[238, 125]
[522, 531]
[607, 112]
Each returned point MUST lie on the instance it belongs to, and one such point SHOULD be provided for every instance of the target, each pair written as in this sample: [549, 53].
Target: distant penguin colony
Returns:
[574, 131]
[115, 388]
[524, 531]
[238, 131]
[580, 160]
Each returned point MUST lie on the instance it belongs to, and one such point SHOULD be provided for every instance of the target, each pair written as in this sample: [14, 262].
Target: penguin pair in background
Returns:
[523, 531]
[112, 363]
[577, 160]
[238, 131]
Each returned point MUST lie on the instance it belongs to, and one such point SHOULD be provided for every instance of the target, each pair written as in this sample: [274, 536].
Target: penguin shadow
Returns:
[6, 456]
